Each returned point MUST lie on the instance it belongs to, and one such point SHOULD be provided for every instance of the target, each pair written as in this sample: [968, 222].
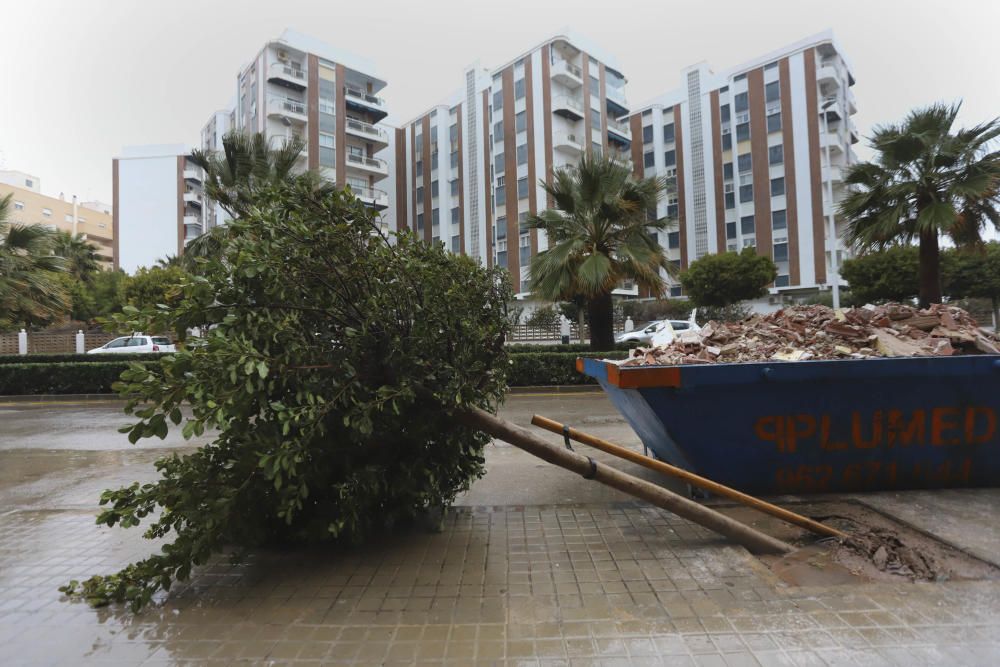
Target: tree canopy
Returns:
[332, 356]
[717, 281]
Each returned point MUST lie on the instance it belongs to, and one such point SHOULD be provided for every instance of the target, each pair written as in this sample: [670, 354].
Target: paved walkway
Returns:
[571, 578]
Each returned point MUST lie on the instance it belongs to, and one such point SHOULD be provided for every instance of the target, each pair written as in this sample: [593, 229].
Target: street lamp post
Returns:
[831, 218]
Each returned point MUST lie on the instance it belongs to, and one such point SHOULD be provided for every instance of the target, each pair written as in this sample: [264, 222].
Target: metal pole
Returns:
[834, 273]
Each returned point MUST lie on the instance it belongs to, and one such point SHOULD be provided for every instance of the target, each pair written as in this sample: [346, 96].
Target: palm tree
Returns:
[168, 261]
[925, 181]
[80, 255]
[246, 164]
[599, 236]
[29, 287]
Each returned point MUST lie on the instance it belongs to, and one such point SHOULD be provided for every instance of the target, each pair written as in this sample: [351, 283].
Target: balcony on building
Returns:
[284, 73]
[359, 99]
[192, 227]
[567, 74]
[368, 132]
[192, 198]
[852, 102]
[568, 143]
[567, 107]
[619, 134]
[287, 107]
[192, 174]
[614, 87]
[833, 139]
[374, 197]
[369, 165]
[833, 173]
[829, 73]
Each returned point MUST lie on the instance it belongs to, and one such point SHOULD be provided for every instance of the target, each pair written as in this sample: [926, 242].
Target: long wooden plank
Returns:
[690, 477]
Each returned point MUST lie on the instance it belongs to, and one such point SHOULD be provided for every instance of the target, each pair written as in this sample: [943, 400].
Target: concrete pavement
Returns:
[536, 566]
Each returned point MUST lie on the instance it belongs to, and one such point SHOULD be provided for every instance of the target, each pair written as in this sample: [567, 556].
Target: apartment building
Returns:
[218, 124]
[756, 155]
[91, 220]
[469, 171]
[298, 86]
[158, 204]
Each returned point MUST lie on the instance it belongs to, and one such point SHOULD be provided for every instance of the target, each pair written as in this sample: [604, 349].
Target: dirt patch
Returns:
[878, 549]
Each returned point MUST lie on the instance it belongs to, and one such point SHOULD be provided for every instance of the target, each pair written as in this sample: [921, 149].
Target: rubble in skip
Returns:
[801, 333]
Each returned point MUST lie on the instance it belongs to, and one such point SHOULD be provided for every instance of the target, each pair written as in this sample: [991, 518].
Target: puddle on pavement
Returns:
[880, 549]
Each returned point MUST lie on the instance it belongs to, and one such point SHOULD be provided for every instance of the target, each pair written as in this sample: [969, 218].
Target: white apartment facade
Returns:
[158, 204]
[469, 172]
[757, 155]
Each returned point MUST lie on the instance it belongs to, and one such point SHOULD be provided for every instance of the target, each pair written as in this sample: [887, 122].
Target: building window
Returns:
[420, 222]
[746, 225]
[502, 259]
[670, 158]
[595, 85]
[740, 103]
[434, 158]
[499, 163]
[668, 133]
[727, 141]
[779, 220]
[730, 200]
[773, 65]
[772, 92]
[501, 227]
[497, 100]
[435, 218]
[674, 240]
[743, 132]
[18, 205]
[730, 230]
[68, 218]
[775, 154]
[781, 252]
[649, 159]
[454, 160]
[420, 195]
[501, 195]
[521, 122]
[745, 162]
[647, 134]
[724, 113]
[453, 133]
[727, 171]
[524, 256]
[418, 168]
[596, 148]
[28, 183]
[498, 130]
[454, 188]
[673, 210]
[774, 123]
[519, 89]
[522, 154]
[675, 290]
[781, 281]
[746, 192]
[739, 77]
[454, 216]
[522, 188]
[595, 119]
[778, 186]
[47, 212]
[418, 143]
[434, 189]
[456, 243]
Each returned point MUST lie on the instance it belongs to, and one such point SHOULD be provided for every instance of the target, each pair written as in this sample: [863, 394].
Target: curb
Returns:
[558, 389]
[59, 398]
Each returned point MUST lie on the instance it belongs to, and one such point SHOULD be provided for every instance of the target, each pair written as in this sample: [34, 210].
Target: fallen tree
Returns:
[331, 349]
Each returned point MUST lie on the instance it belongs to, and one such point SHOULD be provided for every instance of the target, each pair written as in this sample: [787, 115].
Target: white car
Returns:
[135, 344]
[661, 332]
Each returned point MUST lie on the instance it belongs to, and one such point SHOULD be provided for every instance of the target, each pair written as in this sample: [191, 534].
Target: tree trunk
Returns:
[930, 269]
[996, 313]
[601, 312]
[581, 324]
[754, 540]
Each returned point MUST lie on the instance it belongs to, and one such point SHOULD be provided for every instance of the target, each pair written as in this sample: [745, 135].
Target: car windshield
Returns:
[161, 341]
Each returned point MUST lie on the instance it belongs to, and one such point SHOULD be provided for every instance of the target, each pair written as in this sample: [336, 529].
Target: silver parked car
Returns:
[135, 344]
[662, 330]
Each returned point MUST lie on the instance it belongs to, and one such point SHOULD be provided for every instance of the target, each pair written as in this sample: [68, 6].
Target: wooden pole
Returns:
[754, 540]
[690, 477]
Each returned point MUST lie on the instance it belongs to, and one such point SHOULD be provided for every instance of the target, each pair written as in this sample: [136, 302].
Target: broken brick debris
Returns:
[801, 333]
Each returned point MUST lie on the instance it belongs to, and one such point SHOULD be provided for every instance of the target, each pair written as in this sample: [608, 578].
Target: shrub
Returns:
[658, 309]
[543, 316]
[75, 358]
[60, 378]
[525, 348]
[548, 368]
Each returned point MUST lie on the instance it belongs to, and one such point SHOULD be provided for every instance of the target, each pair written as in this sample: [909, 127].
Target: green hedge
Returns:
[75, 358]
[523, 348]
[59, 378]
[95, 376]
[548, 368]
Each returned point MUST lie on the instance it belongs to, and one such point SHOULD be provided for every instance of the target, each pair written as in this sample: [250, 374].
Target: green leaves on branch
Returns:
[717, 281]
[331, 359]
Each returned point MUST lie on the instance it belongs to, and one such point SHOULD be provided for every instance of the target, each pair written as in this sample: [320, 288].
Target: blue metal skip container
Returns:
[818, 426]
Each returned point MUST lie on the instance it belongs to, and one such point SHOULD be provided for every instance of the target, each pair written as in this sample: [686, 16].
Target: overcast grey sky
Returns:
[82, 78]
